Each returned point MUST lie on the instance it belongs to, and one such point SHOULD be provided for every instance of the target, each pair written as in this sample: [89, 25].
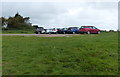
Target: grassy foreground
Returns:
[79, 55]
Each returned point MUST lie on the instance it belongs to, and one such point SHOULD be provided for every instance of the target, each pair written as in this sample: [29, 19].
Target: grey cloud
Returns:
[56, 14]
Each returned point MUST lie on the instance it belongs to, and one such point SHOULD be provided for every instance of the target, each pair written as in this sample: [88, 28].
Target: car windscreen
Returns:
[82, 27]
[40, 28]
[89, 27]
[64, 29]
[73, 28]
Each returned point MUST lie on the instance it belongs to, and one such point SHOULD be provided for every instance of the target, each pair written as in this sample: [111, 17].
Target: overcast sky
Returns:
[103, 15]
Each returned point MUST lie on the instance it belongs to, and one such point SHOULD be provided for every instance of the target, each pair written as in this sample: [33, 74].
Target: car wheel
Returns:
[36, 32]
[78, 32]
[73, 32]
[98, 32]
[88, 32]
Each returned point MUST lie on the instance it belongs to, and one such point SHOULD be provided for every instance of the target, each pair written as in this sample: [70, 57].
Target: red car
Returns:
[89, 30]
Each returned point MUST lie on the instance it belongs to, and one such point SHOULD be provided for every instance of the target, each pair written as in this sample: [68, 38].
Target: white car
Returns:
[54, 30]
[50, 31]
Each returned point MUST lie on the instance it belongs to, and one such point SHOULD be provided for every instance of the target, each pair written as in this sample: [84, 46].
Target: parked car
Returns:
[39, 30]
[62, 31]
[48, 31]
[51, 31]
[73, 30]
[89, 30]
[54, 30]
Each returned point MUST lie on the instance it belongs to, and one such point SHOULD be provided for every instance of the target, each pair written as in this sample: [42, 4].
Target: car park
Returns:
[88, 30]
[73, 30]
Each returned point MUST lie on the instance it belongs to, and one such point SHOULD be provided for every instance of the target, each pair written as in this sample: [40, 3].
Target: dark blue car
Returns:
[73, 30]
[62, 31]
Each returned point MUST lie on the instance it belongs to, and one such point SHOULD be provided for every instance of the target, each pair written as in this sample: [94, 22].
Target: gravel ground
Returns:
[41, 35]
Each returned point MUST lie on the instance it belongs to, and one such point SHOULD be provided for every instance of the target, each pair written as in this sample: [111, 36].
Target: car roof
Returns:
[73, 27]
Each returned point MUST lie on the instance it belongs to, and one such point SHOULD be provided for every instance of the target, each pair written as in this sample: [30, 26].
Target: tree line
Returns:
[16, 22]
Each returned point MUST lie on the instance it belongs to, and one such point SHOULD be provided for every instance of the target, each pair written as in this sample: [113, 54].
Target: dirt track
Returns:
[41, 35]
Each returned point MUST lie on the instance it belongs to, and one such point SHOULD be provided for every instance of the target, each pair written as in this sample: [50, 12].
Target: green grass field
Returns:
[78, 55]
